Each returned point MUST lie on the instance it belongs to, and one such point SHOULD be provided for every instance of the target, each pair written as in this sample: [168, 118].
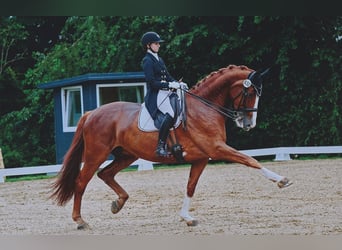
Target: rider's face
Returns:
[155, 47]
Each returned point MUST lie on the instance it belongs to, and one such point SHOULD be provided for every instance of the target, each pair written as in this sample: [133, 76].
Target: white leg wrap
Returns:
[271, 175]
[184, 213]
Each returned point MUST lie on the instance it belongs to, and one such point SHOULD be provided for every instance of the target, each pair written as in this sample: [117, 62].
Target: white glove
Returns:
[174, 85]
[184, 85]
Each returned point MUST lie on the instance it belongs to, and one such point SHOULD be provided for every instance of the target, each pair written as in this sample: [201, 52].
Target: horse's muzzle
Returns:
[245, 122]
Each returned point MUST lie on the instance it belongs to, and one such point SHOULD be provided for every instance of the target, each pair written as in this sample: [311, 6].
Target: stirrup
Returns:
[161, 149]
[162, 152]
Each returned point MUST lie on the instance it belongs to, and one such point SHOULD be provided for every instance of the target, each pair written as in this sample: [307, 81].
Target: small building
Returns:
[77, 95]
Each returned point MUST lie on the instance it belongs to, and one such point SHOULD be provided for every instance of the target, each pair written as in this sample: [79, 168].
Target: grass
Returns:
[28, 177]
[171, 166]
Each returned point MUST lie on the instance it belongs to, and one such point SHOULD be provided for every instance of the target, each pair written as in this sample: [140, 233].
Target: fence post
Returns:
[144, 165]
[282, 157]
[2, 166]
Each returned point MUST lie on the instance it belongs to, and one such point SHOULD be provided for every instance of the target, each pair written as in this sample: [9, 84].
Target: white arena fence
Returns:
[281, 154]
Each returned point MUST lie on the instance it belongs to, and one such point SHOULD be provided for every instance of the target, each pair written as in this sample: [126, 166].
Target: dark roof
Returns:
[92, 77]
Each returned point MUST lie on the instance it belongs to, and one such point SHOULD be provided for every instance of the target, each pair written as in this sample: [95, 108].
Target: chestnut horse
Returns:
[113, 129]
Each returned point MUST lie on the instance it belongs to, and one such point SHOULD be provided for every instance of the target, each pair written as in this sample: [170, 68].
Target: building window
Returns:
[72, 107]
[128, 92]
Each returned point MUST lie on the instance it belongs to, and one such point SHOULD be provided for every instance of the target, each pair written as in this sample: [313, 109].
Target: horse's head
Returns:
[245, 95]
[241, 85]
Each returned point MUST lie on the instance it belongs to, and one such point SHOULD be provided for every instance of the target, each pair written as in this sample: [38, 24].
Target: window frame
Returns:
[117, 85]
[65, 96]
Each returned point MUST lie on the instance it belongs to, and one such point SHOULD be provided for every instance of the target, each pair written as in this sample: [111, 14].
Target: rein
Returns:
[230, 113]
[222, 110]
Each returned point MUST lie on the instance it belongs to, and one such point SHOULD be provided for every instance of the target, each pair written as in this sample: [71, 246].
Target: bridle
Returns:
[245, 95]
[241, 110]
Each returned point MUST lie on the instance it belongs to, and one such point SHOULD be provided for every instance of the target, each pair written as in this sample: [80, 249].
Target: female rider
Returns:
[161, 99]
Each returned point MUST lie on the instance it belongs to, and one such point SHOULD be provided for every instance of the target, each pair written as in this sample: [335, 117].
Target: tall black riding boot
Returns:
[163, 134]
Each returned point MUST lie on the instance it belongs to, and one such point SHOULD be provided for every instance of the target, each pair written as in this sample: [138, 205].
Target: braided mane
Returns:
[218, 73]
[205, 85]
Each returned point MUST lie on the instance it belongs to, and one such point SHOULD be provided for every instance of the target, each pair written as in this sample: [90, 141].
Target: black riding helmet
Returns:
[150, 37]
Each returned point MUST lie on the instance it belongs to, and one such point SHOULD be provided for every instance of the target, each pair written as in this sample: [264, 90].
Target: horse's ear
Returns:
[265, 72]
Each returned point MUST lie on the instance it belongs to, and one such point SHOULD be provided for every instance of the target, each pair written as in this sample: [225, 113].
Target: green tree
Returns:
[12, 34]
[301, 101]
[22, 107]
[301, 106]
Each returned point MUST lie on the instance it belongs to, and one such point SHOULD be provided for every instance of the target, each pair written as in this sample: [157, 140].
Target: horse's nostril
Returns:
[247, 127]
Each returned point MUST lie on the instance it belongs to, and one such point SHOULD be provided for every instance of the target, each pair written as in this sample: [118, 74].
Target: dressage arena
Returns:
[230, 199]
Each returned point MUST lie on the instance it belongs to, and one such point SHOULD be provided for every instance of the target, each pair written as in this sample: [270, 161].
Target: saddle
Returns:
[146, 122]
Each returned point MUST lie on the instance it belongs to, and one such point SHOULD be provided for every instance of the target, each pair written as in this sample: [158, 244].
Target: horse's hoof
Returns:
[192, 223]
[284, 183]
[83, 226]
[116, 207]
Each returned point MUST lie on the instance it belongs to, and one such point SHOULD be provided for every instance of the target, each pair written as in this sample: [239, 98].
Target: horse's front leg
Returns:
[224, 152]
[195, 172]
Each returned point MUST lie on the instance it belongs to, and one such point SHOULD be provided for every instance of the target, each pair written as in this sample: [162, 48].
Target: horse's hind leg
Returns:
[108, 173]
[82, 181]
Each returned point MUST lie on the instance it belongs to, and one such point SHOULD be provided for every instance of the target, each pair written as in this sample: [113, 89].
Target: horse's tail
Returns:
[64, 187]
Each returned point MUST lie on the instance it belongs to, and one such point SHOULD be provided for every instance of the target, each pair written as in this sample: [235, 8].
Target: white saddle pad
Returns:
[146, 123]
